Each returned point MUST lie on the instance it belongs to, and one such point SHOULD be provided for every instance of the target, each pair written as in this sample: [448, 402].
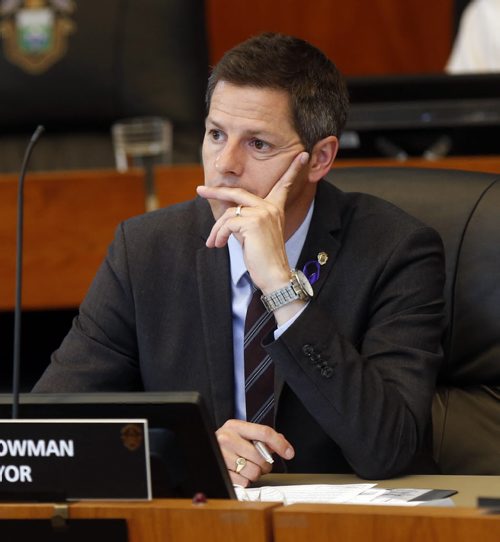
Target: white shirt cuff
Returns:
[278, 332]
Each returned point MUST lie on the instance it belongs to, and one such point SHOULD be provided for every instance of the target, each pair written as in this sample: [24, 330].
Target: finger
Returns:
[233, 445]
[250, 473]
[249, 470]
[219, 234]
[227, 224]
[278, 444]
[230, 194]
[238, 480]
[279, 192]
[232, 223]
[239, 463]
[271, 438]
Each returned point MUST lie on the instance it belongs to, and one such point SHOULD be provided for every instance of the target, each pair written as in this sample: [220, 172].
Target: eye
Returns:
[260, 145]
[215, 135]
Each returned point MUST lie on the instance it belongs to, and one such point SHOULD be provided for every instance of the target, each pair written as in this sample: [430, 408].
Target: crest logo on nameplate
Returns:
[35, 32]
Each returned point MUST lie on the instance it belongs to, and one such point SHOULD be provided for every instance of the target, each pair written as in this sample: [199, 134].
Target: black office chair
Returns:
[464, 207]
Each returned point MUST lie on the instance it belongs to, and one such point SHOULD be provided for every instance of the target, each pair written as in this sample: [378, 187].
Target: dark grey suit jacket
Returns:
[355, 372]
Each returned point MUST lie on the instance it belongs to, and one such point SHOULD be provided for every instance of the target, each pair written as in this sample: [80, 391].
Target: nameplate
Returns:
[52, 460]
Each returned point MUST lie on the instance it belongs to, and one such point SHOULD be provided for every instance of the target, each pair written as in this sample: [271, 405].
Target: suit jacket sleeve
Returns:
[364, 355]
[100, 351]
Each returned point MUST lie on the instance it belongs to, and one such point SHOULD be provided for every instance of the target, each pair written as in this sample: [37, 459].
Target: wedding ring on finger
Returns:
[238, 210]
[240, 464]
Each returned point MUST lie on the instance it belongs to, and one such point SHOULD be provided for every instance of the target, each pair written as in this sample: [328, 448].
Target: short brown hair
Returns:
[319, 100]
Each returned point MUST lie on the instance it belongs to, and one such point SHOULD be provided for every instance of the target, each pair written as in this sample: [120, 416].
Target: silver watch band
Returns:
[299, 288]
[279, 298]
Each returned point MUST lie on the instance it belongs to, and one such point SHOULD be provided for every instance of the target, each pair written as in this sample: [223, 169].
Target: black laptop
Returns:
[185, 456]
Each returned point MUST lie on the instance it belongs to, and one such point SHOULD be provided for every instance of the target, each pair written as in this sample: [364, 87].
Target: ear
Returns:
[322, 157]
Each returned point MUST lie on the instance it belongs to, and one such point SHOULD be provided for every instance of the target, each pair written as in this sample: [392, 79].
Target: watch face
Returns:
[304, 283]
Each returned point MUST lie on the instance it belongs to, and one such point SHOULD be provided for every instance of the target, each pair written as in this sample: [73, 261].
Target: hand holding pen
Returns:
[248, 449]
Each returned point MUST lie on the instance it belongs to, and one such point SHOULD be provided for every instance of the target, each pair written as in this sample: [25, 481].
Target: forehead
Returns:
[247, 104]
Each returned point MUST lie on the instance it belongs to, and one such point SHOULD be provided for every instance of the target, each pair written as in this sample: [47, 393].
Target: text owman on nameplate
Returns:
[47, 460]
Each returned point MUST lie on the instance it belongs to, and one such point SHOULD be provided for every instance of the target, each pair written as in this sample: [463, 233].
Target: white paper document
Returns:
[332, 494]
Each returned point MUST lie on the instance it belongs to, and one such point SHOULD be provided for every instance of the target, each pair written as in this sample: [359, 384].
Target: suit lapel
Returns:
[323, 236]
[214, 287]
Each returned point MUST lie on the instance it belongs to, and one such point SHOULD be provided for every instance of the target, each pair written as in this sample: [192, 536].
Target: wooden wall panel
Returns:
[363, 37]
[70, 219]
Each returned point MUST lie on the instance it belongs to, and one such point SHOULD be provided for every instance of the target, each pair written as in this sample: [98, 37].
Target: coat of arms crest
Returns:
[35, 32]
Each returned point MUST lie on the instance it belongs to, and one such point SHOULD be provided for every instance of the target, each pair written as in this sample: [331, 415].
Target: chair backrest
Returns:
[464, 207]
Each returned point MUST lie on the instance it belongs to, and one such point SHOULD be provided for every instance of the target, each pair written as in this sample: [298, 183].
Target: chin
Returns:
[218, 208]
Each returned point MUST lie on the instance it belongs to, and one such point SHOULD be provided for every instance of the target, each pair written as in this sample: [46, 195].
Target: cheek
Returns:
[209, 170]
[205, 155]
[261, 176]
[299, 189]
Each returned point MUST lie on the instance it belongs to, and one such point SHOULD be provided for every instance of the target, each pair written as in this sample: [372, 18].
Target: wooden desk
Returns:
[167, 520]
[181, 520]
[325, 523]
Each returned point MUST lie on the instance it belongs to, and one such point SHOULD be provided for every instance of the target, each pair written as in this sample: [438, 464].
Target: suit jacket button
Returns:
[327, 372]
[308, 350]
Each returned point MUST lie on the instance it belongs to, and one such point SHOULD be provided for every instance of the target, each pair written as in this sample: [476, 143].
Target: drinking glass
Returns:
[143, 142]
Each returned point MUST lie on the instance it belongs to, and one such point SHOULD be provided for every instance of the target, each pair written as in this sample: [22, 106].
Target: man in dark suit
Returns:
[355, 355]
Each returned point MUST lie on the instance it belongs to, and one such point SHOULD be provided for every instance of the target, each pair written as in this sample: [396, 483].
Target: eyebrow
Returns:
[260, 134]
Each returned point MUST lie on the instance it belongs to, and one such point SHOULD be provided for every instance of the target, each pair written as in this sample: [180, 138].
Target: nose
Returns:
[229, 160]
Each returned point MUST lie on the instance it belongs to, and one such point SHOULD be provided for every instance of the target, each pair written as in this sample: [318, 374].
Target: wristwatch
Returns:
[299, 288]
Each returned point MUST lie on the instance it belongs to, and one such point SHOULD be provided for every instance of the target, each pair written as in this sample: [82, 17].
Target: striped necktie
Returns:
[259, 367]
